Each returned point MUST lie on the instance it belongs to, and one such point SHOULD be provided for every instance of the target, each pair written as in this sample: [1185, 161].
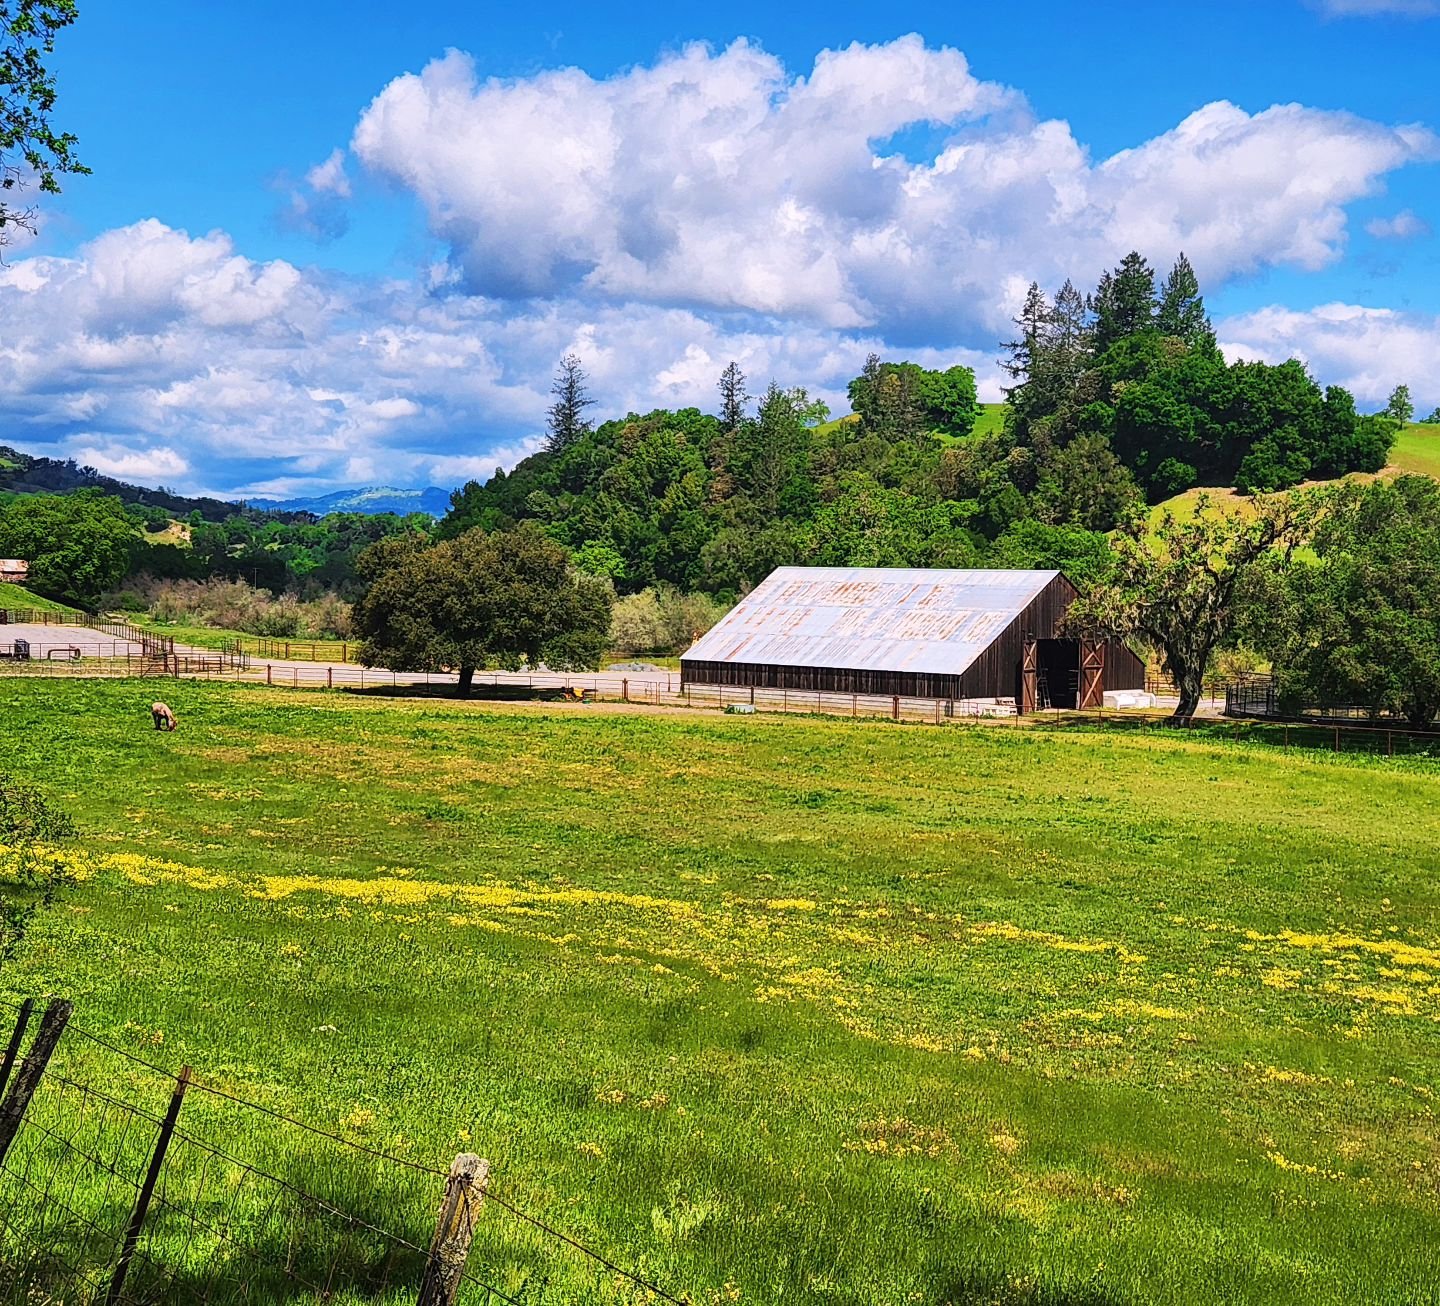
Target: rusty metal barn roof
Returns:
[871, 618]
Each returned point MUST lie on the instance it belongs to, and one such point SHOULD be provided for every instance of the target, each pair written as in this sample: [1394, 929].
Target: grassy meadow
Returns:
[1417, 449]
[775, 1010]
[17, 596]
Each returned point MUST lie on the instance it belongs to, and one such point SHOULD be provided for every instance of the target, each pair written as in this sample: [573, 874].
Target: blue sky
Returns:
[316, 250]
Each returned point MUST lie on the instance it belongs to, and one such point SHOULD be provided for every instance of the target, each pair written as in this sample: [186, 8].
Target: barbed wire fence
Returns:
[106, 1200]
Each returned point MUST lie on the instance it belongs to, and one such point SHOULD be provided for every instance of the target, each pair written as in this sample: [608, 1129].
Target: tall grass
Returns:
[804, 1011]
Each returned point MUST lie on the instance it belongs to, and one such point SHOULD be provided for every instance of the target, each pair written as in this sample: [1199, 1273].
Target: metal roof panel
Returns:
[871, 618]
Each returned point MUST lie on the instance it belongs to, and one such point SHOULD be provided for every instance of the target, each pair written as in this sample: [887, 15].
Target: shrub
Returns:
[236, 605]
[31, 873]
[661, 621]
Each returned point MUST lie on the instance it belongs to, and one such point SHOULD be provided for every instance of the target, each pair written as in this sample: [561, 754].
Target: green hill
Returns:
[1417, 449]
[990, 421]
[17, 596]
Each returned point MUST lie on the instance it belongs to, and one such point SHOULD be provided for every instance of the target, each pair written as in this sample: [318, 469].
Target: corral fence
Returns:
[1257, 698]
[40, 617]
[299, 650]
[119, 1192]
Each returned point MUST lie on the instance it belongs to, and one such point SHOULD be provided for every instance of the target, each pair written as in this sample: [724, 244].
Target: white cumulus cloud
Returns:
[660, 223]
[1405, 225]
[148, 466]
[721, 181]
[1367, 350]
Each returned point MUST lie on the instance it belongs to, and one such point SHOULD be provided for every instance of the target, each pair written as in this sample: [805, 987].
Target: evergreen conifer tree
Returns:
[1124, 302]
[733, 396]
[566, 421]
[1181, 311]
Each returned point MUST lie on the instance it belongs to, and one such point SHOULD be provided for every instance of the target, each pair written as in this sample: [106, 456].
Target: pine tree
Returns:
[566, 421]
[1181, 311]
[1034, 322]
[1124, 302]
[733, 397]
[1070, 332]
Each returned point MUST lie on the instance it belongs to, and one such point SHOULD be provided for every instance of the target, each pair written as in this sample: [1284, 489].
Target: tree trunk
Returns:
[467, 678]
[1189, 684]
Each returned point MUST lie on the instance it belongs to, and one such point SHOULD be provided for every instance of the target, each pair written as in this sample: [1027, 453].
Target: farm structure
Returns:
[956, 634]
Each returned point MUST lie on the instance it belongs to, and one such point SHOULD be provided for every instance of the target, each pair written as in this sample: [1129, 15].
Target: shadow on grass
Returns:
[478, 693]
[1374, 741]
[984, 1287]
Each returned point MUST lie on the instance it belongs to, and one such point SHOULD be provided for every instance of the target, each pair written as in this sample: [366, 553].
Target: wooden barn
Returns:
[972, 634]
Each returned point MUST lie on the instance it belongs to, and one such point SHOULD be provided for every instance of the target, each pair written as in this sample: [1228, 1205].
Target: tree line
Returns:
[1118, 398]
[1337, 586]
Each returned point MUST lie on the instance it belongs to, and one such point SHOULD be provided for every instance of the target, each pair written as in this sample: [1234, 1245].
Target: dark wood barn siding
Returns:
[991, 675]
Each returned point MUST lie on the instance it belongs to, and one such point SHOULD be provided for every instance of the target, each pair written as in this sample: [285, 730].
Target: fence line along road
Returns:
[656, 689]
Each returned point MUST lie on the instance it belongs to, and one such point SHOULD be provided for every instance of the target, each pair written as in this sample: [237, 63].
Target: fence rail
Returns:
[41, 617]
[1258, 697]
[118, 1193]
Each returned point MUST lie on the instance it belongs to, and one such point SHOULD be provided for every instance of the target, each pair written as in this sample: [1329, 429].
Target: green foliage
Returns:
[899, 401]
[29, 144]
[1400, 407]
[78, 545]
[869, 525]
[31, 874]
[1360, 623]
[1084, 556]
[1142, 372]
[1183, 585]
[831, 1012]
[1124, 302]
[566, 421]
[480, 599]
[661, 621]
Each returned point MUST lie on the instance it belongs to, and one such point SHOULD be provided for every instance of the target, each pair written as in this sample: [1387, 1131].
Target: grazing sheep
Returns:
[164, 718]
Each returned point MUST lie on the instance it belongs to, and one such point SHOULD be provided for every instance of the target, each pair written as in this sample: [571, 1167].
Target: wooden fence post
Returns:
[12, 1110]
[13, 1051]
[455, 1227]
[147, 1190]
[330, 678]
[269, 680]
[895, 706]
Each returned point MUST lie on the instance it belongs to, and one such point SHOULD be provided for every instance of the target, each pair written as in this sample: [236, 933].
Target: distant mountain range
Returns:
[372, 499]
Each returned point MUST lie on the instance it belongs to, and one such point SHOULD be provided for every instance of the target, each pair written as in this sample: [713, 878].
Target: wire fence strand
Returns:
[80, 1160]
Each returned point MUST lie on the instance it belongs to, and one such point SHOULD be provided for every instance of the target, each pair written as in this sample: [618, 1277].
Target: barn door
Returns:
[1029, 672]
[1092, 674]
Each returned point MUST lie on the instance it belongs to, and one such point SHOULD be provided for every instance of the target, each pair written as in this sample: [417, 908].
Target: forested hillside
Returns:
[1117, 397]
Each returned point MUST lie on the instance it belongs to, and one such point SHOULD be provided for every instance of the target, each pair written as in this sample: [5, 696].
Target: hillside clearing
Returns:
[824, 1011]
[1417, 449]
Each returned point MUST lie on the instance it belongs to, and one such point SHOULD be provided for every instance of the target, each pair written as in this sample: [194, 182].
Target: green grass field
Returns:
[17, 596]
[991, 420]
[1417, 449]
[807, 1011]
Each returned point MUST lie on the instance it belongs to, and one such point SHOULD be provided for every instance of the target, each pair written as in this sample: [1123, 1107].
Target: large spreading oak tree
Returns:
[500, 598]
[1183, 584]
